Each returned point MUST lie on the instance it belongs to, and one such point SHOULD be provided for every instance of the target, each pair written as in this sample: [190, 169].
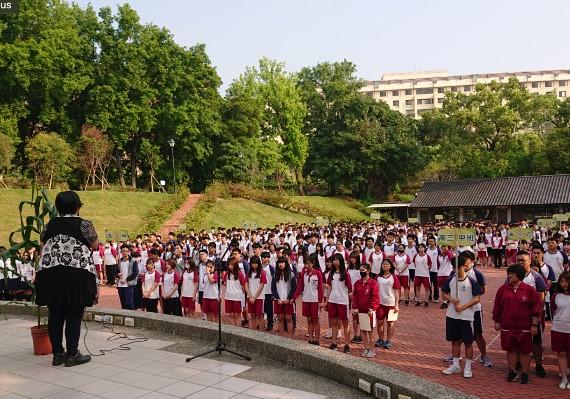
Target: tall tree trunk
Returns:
[134, 148]
[299, 178]
[120, 169]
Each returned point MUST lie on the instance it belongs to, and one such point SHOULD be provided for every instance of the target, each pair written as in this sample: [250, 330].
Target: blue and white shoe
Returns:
[380, 343]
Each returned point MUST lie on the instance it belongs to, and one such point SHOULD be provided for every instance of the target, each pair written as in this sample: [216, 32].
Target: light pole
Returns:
[171, 144]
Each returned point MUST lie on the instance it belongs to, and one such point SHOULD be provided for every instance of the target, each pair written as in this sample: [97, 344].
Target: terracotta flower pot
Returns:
[40, 337]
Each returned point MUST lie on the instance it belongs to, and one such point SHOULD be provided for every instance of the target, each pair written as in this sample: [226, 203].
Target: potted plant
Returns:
[28, 237]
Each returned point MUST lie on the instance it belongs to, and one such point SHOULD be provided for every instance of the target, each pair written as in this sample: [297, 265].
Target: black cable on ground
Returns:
[115, 335]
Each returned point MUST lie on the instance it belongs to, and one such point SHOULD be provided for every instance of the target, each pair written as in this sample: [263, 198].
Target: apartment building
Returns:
[417, 92]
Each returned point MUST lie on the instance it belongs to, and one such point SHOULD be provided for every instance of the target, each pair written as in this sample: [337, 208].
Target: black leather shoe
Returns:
[58, 359]
[71, 361]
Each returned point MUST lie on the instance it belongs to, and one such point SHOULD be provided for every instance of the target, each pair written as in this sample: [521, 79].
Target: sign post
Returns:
[438, 217]
[455, 238]
[520, 233]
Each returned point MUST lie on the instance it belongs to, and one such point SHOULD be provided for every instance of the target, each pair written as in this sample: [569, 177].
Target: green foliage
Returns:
[50, 157]
[356, 143]
[198, 217]
[7, 152]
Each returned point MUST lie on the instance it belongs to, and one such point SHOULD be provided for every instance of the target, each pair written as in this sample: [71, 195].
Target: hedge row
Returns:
[160, 214]
[205, 204]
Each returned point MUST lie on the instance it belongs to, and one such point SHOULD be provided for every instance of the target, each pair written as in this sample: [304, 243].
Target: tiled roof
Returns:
[520, 190]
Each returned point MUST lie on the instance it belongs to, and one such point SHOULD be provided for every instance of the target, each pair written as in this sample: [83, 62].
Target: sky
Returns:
[382, 36]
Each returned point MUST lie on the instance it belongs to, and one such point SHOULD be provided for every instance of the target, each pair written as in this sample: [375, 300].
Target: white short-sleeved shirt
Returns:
[375, 260]
[149, 280]
[210, 289]
[401, 262]
[421, 265]
[339, 290]
[169, 283]
[234, 287]
[188, 284]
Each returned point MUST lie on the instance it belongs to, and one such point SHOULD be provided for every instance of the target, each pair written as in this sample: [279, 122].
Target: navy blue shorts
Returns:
[458, 330]
[478, 324]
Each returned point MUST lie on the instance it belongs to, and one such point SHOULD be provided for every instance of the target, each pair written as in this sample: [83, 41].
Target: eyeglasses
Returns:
[536, 253]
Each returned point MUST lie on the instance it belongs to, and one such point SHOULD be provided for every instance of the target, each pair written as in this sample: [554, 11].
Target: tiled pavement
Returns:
[419, 346]
[144, 372]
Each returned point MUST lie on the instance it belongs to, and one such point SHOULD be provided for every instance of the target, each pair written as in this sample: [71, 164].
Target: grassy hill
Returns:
[343, 208]
[107, 210]
[233, 212]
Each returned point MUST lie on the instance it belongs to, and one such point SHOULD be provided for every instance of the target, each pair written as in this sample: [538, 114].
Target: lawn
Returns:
[341, 207]
[107, 210]
[234, 212]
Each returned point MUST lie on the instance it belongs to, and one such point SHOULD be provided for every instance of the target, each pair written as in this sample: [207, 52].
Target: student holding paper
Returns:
[389, 290]
[365, 301]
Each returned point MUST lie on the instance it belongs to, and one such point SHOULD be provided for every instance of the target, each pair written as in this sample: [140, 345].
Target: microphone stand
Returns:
[220, 345]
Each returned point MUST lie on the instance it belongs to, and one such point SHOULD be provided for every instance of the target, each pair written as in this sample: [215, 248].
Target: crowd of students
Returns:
[359, 275]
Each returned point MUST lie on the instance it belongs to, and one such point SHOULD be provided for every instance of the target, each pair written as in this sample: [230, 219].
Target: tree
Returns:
[96, 156]
[151, 160]
[7, 151]
[355, 143]
[50, 157]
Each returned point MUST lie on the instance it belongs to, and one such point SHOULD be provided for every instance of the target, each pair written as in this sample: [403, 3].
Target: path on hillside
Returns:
[419, 346]
[179, 215]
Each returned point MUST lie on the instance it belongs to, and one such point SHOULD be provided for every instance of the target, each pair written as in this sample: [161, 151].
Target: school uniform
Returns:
[283, 290]
[445, 267]
[338, 298]
[256, 308]
[151, 302]
[375, 261]
[365, 296]
[110, 259]
[411, 252]
[210, 299]
[402, 271]
[268, 296]
[171, 305]
[188, 291]
[234, 291]
[560, 330]
[387, 287]
[433, 254]
[422, 267]
[126, 285]
[556, 260]
[310, 288]
[459, 325]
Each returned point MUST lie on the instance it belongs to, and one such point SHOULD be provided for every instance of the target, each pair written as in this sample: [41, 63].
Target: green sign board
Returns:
[412, 220]
[182, 226]
[520, 233]
[376, 215]
[120, 235]
[438, 217]
[548, 223]
[249, 225]
[560, 217]
[456, 237]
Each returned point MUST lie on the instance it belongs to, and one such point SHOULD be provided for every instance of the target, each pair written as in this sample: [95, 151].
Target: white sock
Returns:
[468, 364]
[455, 362]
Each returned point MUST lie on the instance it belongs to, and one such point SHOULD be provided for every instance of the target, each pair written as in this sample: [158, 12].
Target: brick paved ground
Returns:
[419, 346]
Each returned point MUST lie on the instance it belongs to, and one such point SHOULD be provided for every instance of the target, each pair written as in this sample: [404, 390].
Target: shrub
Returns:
[162, 212]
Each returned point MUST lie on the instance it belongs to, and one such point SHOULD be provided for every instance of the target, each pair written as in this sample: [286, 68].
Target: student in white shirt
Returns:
[234, 279]
[189, 290]
[560, 330]
[463, 292]
[340, 287]
[210, 301]
[150, 282]
[422, 263]
[388, 289]
[402, 263]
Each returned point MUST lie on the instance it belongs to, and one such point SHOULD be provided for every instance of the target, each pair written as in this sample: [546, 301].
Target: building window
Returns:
[441, 90]
[409, 102]
[395, 93]
[561, 94]
[408, 92]
[396, 103]
[534, 85]
[547, 84]
[376, 85]
[370, 94]
[382, 94]
[466, 88]
[424, 90]
[440, 100]
[562, 83]
[454, 89]
[410, 112]
[425, 101]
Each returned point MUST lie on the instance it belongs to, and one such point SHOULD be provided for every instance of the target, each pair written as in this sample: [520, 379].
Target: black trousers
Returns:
[497, 257]
[268, 305]
[151, 305]
[111, 271]
[172, 306]
[433, 288]
[71, 316]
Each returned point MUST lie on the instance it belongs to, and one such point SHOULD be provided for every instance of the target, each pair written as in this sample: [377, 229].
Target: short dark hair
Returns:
[67, 202]
[539, 247]
[468, 254]
[517, 269]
